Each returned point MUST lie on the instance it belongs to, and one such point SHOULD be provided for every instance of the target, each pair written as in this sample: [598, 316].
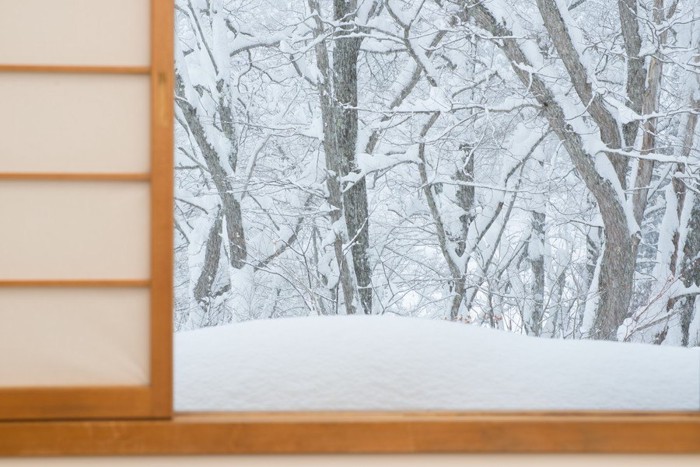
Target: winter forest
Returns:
[531, 166]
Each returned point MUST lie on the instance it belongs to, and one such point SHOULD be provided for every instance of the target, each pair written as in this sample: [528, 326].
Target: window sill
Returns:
[306, 433]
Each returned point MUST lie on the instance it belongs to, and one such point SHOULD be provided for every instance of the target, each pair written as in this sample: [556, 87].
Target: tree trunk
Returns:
[685, 262]
[689, 265]
[536, 256]
[634, 88]
[616, 278]
[690, 269]
[230, 206]
[203, 292]
[346, 280]
[465, 197]
[338, 94]
[355, 210]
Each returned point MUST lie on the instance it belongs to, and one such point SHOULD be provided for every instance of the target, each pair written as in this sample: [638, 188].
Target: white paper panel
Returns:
[76, 32]
[74, 123]
[74, 337]
[74, 230]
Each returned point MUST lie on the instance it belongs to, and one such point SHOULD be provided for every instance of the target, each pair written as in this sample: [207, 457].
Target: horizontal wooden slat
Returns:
[76, 283]
[97, 177]
[285, 433]
[76, 69]
[112, 402]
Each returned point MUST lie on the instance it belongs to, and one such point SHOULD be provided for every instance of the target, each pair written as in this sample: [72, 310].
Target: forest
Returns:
[530, 166]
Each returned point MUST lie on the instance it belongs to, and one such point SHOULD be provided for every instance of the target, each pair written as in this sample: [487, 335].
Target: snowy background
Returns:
[526, 166]
[394, 363]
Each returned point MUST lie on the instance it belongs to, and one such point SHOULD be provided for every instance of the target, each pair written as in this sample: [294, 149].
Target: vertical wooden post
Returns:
[162, 174]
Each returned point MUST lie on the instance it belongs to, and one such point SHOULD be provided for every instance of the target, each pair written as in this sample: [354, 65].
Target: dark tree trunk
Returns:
[465, 197]
[345, 57]
[534, 327]
[203, 289]
[338, 93]
[690, 270]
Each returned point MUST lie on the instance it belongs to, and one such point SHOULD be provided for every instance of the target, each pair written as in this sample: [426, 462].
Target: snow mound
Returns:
[390, 363]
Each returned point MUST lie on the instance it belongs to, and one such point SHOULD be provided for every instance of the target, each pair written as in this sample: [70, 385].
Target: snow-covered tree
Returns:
[528, 166]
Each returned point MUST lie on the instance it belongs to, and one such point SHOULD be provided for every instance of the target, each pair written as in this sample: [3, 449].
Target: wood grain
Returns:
[154, 400]
[124, 430]
[73, 402]
[91, 283]
[294, 433]
[76, 177]
[75, 69]
[162, 217]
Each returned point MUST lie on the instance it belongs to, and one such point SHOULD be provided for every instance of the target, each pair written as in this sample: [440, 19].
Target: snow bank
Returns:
[389, 363]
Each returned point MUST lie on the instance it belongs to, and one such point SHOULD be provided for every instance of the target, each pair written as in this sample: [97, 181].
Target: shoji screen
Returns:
[85, 208]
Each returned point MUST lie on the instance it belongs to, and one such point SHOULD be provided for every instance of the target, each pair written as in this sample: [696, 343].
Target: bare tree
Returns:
[339, 100]
[621, 235]
[521, 165]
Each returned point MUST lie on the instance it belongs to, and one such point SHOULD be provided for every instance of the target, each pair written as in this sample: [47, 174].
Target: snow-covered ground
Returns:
[390, 363]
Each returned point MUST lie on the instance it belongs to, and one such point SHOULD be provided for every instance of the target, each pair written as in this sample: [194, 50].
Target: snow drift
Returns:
[390, 363]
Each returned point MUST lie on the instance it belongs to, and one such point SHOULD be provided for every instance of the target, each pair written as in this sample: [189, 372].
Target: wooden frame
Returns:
[254, 433]
[333, 433]
[116, 70]
[154, 400]
[162, 193]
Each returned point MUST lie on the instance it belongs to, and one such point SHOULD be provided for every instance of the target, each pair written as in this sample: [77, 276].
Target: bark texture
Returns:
[230, 206]
[345, 54]
[203, 291]
[690, 271]
[534, 327]
[338, 95]
[617, 265]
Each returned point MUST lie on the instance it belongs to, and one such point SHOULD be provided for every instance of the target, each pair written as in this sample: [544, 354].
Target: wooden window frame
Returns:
[155, 399]
[119, 431]
[356, 433]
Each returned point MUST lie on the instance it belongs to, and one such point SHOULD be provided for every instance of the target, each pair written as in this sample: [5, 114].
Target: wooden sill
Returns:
[357, 432]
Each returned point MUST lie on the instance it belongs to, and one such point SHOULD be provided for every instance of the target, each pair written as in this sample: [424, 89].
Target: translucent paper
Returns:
[74, 32]
[74, 230]
[73, 337]
[75, 201]
[74, 123]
